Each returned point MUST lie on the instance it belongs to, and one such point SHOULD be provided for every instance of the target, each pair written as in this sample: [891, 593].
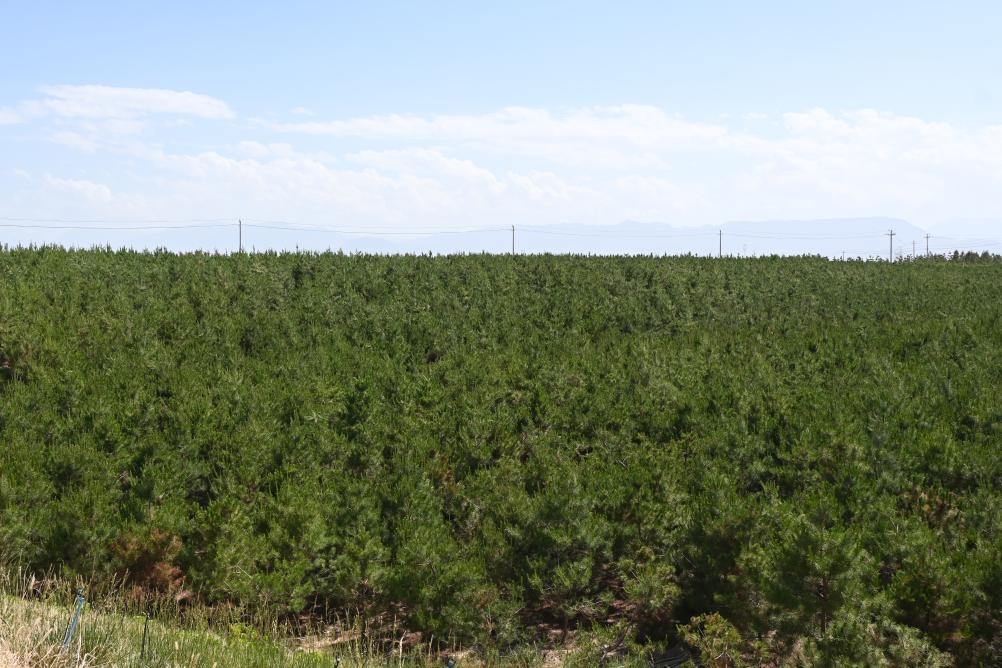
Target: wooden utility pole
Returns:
[720, 243]
[890, 253]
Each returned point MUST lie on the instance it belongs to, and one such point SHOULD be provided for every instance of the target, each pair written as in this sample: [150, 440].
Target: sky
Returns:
[390, 118]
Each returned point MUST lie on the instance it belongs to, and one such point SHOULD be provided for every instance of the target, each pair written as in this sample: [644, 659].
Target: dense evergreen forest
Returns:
[789, 457]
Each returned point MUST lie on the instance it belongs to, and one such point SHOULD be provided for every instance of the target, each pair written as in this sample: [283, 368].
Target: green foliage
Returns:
[653, 588]
[717, 640]
[492, 448]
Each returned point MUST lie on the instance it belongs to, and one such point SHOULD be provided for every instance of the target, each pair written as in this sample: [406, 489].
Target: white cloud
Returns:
[536, 166]
[633, 123]
[88, 190]
[419, 160]
[74, 140]
[626, 136]
[256, 149]
[9, 116]
[109, 102]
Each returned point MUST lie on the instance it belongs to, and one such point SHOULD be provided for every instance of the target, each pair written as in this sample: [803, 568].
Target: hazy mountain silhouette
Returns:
[848, 237]
[851, 237]
[967, 234]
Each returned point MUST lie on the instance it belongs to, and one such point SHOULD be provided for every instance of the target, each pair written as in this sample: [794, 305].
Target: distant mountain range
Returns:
[849, 237]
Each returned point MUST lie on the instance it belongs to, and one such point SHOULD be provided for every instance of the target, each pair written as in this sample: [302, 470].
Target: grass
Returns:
[34, 615]
[32, 631]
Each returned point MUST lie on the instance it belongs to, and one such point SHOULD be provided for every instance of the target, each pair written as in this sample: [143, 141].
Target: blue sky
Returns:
[449, 115]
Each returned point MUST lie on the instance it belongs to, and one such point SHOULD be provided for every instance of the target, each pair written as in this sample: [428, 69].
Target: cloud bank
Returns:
[108, 102]
[178, 154]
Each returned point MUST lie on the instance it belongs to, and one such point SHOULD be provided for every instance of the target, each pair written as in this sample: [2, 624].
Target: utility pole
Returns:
[720, 243]
[890, 253]
[913, 249]
[512, 239]
[927, 235]
[240, 234]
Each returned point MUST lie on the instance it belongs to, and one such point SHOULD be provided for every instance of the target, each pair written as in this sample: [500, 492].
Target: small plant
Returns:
[718, 641]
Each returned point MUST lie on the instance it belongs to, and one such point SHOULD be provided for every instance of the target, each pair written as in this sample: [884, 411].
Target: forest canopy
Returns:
[792, 455]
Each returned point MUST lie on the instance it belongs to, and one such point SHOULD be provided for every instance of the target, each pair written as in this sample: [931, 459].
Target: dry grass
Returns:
[32, 631]
[34, 614]
[29, 636]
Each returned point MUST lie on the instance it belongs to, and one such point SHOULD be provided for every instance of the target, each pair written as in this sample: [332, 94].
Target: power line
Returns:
[536, 230]
[123, 228]
[123, 225]
[144, 224]
[949, 247]
[121, 221]
[804, 238]
[277, 224]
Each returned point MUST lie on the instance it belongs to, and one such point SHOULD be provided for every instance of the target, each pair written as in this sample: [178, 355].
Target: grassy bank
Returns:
[31, 635]
[34, 615]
